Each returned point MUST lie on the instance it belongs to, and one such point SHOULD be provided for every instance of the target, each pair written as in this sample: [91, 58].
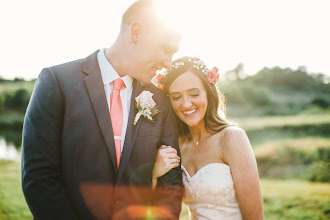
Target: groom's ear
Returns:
[136, 32]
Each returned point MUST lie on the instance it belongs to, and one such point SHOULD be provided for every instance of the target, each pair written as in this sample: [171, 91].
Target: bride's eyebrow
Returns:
[189, 90]
[174, 93]
[193, 89]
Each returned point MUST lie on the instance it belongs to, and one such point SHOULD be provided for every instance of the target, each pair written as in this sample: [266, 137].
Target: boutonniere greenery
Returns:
[146, 106]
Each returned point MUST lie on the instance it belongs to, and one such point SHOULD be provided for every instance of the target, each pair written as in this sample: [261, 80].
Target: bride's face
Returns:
[189, 99]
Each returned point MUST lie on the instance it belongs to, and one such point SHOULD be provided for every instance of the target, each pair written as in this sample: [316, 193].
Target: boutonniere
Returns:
[146, 106]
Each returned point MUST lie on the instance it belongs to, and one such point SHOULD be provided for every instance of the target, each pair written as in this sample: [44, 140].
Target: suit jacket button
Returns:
[117, 201]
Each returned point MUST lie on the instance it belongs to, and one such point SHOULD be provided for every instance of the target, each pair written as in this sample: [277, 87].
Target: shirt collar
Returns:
[109, 73]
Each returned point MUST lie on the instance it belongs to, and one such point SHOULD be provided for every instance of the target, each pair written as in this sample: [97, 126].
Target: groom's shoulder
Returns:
[76, 66]
[73, 71]
[71, 66]
[65, 73]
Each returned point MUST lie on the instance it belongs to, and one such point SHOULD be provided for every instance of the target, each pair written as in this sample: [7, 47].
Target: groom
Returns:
[82, 157]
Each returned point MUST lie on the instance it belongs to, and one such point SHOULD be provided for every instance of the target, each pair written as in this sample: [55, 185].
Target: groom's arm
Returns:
[169, 190]
[41, 166]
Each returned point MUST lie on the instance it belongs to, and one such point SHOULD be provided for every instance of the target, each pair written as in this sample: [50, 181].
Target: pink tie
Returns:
[116, 115]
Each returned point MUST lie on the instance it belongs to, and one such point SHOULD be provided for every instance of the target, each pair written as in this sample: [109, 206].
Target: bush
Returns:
[276, 91]
[314, 110]
[2, 103]
[302, 158]
[321, 102]
[319, 172]
[2, 79]
[18, 101]
[246, 94]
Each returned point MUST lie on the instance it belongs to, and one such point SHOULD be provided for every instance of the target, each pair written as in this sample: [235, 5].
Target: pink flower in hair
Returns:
[159, 78]
[213, 75]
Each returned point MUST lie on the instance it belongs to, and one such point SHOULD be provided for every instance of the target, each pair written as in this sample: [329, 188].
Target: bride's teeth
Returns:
[189, 112]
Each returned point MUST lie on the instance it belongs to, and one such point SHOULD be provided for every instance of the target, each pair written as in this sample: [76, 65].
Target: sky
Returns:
[258, 33]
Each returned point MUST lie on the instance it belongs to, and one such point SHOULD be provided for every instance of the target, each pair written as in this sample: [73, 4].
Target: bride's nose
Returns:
[186, 102]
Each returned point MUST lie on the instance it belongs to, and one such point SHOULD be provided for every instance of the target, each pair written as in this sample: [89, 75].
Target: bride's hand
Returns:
[166, 159]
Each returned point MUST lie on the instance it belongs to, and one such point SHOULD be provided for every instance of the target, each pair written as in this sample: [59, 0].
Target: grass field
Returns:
[283, 199]
[12, 202]
[285, 147]
[289, 199]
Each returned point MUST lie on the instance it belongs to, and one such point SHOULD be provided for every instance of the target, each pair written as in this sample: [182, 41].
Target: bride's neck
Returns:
[198, 132]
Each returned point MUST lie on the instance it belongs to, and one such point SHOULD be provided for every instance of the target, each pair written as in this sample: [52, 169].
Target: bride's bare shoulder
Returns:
[232, 132]
[234, 138]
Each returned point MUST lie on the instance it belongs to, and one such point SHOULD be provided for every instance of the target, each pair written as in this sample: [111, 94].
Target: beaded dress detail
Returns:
[210, 193]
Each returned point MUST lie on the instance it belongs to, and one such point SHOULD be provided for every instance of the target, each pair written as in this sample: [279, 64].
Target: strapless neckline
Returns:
[202, 168]
[210, 193]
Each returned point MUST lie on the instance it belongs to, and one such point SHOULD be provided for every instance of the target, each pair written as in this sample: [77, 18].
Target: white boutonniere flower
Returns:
[146, 106]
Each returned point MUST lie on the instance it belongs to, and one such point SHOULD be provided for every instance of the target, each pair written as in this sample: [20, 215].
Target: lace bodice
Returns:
[210, 193]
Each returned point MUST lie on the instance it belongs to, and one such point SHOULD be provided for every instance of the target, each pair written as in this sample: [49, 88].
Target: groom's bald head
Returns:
[146, 12]
[138, 11]
[146, 42]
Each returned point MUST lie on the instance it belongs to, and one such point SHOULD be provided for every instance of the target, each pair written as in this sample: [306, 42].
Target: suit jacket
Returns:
[69, 166]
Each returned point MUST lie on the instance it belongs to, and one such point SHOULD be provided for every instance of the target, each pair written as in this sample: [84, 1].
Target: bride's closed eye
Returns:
[175, 97]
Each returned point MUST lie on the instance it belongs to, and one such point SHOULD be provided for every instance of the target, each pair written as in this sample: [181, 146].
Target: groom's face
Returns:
[154, 50]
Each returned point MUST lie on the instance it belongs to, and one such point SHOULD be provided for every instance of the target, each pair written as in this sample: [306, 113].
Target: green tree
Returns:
[18, 101]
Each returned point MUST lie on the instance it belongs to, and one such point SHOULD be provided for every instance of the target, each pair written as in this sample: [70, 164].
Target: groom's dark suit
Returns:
[69, 166]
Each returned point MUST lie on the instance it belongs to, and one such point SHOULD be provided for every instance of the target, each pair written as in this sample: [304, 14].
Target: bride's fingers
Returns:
[169, 152]
[168, 149]
[164, 147]
[169, 156]
[170, 166]
[173, 161]
[173, 165]
[163, 151]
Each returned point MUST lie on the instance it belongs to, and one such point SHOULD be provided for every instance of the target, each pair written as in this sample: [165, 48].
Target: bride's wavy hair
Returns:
[215, 116]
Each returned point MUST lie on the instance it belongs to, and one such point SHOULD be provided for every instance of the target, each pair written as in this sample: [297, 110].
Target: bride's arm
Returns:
[166, 159]
[238, 154]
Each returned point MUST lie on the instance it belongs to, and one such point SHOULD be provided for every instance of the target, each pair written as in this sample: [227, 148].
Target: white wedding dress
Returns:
[210, 193]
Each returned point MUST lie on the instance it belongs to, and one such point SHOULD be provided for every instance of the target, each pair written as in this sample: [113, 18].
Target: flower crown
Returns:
[211, 75]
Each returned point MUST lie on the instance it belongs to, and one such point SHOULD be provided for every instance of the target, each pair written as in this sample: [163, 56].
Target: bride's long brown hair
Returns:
[214, 121]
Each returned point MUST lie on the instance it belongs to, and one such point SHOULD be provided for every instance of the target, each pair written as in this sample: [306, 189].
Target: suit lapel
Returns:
[131, 131]
[97, 96]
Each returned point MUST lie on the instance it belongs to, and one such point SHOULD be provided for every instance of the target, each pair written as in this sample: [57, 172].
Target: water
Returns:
[10, 142]
[8, 151]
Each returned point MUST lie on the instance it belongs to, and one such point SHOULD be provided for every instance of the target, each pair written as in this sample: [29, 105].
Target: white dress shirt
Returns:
[109, 75]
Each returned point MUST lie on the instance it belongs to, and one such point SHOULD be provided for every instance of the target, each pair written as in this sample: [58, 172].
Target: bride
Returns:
[220, 173]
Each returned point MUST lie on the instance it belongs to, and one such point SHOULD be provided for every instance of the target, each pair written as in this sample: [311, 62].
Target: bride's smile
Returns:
[189, 99]
[190, 113]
